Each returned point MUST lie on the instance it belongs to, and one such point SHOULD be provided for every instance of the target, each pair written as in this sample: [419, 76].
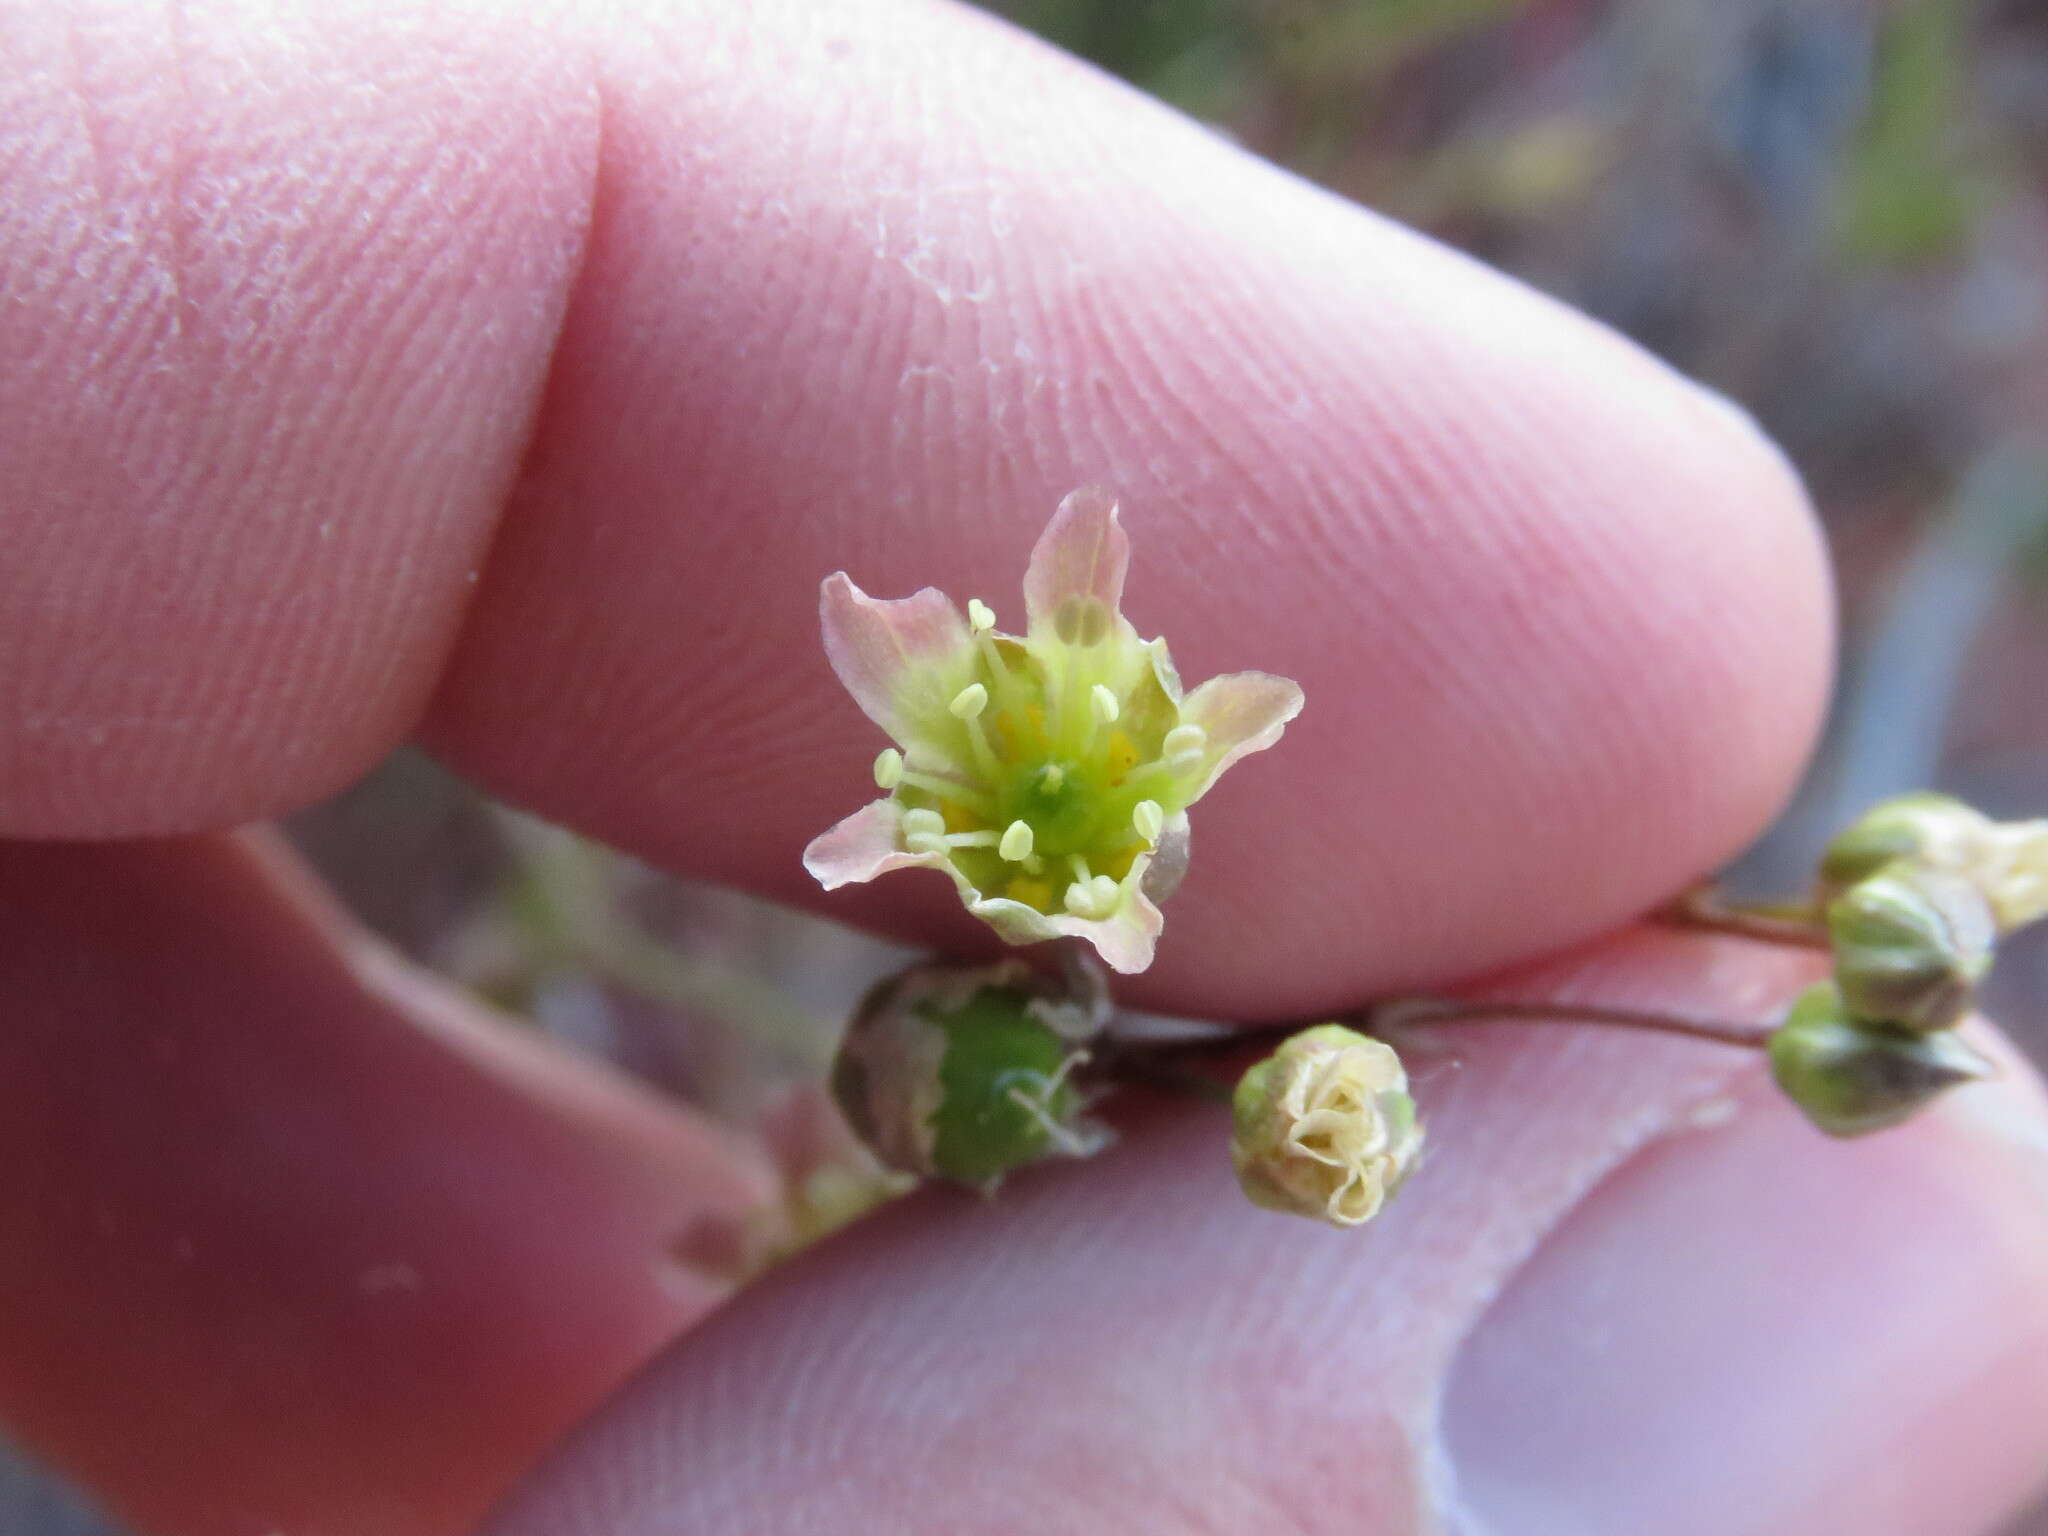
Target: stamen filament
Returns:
[984, 754]
[986, 838]
[967, 707]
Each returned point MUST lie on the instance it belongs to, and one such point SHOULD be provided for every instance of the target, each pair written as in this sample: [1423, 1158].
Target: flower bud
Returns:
[1852, 1078]
[1925, 827]
[2006, 860]
[965, 1072]
[1324, 1127]
[1911, 943]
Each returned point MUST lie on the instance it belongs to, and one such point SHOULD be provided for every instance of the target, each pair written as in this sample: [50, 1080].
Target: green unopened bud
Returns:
[1324, 1127]
[965, 1072]
[2006, 860]
[1926, 827]
[1853, 1078]
[1911, 943]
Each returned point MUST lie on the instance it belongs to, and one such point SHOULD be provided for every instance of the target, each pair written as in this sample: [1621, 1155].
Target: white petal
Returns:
[866, 844]
[1077, 569]
[1241, 713]
[902, 660]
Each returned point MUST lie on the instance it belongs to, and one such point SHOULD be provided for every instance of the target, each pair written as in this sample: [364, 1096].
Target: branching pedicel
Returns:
[1049, 775]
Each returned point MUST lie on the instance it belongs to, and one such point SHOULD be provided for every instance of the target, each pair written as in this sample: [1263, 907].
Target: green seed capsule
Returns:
[965, 1073]
[1910, 944]
[1852, 1078]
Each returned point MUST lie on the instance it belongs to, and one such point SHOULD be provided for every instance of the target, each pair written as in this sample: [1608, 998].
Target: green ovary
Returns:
[1053, 737]
[1001, 1088]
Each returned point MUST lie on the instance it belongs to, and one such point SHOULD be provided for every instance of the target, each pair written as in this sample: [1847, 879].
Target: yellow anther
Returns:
[969, 702]
[1148, 819]
[1051, 777]
[888, 768]
[1104, 704]
[979, 615]
[1016, 843]
[1182, 740]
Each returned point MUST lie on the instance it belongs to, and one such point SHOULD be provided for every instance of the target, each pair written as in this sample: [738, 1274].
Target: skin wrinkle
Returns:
[294, 236]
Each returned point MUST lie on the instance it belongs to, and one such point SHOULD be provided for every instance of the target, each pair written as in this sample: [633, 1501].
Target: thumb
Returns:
[1631, 1291]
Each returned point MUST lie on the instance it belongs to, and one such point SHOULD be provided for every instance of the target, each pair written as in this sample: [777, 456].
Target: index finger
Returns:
[870, 287]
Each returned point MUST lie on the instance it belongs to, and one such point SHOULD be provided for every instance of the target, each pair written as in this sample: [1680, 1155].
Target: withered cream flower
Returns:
[2006, 860]
[1048, 774]
[1324, 1127]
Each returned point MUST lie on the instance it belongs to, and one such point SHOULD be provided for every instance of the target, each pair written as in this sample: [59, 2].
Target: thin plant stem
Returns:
[1141, 1058]
[1777, 922]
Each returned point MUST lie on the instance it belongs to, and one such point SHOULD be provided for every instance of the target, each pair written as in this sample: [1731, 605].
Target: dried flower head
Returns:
[2006, 860]
[965, 1072]
[1324, 1127]
[1048, 774]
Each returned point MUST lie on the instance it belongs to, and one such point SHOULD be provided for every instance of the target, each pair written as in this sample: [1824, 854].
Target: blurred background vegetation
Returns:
[1834, 210]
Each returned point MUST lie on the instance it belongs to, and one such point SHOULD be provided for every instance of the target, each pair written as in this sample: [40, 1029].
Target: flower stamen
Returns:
[1016, 842]
[967, 707]
[1182, 742]
[1148, 820]
[888, 768]
[924, 831]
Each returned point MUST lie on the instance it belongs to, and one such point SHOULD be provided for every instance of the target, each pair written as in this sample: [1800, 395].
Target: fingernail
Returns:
[1753, 1329]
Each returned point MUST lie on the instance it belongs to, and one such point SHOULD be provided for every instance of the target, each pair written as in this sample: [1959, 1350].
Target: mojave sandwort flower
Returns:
[1048, 774]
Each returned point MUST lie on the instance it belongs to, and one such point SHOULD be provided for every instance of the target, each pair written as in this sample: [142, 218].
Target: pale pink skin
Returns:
[849, 286]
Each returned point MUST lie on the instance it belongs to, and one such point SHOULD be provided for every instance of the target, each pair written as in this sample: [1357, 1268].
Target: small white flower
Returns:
[1048, 774]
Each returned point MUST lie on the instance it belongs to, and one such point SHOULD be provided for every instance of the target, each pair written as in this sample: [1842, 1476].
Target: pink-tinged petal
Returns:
[866, 844]
[1167, 864]
[901, 659]
[1075, 581]
[1125, 940]
[1241, 713]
